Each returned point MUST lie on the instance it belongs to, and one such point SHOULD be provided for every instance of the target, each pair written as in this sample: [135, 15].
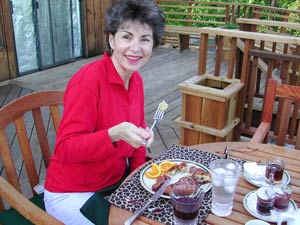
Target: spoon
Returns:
[154, 210]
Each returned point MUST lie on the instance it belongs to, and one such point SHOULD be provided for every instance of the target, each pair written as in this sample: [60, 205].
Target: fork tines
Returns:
[158, 114]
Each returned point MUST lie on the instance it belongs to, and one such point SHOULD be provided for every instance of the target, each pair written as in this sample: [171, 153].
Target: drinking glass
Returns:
[225, 174]
[274, 170]
[186, 202]
[282, 197]
[265, 200]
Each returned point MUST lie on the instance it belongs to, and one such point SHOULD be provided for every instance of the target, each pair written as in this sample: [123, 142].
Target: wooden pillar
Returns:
[93, 26]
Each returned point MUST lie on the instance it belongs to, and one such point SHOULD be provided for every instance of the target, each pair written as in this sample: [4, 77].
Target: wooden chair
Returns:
[16, 184]
[285, 119]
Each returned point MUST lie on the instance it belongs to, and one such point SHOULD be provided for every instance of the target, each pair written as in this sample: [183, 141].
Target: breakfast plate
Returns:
[260, 181]
[148, 182]
[250, 205]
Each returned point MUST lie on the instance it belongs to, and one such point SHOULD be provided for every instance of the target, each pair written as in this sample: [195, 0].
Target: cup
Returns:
[225, 174]
[186, 202]
[282, 197]
[265, 200]
[274, 170]
[257, 222]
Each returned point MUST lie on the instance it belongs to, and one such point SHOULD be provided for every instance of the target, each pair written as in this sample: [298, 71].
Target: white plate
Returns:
[261, 182]
[147, 182]
[250, 205]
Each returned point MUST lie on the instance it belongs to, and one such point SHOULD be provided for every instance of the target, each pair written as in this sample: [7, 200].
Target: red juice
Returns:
[265, 200]
[189, 211]
[278, 171]
[282, 197]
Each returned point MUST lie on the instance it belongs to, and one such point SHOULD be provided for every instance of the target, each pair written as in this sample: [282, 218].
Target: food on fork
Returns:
[163, 106]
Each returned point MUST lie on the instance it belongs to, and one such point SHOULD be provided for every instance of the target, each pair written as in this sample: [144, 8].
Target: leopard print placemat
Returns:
[132, 190]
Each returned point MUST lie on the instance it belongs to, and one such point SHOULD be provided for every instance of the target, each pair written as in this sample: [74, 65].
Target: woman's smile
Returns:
[133, 59]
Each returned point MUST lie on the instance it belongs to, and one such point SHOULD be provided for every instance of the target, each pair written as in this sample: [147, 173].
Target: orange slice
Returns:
[154, 172]
[165, 166]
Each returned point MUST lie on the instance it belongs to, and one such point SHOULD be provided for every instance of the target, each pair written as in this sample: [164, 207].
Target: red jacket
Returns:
[84, 157]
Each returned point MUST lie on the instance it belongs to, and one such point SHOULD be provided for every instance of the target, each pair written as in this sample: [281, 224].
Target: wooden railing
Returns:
[185, 16]
[244, 62]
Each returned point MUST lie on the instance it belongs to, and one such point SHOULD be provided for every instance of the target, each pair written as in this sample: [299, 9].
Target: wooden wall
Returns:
[94, 22]
[8, 60]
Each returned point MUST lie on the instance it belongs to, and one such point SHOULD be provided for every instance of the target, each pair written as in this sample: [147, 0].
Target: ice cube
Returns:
[220, 171]
[228, 181]
[228, 173]
[230, 166]
[229, 189]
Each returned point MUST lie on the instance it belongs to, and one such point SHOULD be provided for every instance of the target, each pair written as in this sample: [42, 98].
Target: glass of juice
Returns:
[282, 197]
[186, 202]
[265, 200]
[274, 170]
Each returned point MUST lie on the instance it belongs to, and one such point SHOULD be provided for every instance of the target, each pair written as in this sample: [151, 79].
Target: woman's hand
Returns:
[131, 134]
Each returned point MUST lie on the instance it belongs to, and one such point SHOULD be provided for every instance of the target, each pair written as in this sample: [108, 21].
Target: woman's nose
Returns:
[135, 45]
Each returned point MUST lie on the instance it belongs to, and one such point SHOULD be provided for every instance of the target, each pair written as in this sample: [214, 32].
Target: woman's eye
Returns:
[125, 37]
[145, 40]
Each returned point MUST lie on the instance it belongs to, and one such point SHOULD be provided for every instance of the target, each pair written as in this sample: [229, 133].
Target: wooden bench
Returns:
[266, 26]
[184, 17]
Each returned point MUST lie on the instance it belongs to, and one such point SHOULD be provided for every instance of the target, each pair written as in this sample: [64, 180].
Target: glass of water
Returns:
[225, 174]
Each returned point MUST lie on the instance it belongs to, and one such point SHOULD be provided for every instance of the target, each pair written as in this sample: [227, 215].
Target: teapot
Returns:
[291, 219]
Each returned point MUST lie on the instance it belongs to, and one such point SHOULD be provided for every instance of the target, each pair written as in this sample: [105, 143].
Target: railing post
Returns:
[203, 54]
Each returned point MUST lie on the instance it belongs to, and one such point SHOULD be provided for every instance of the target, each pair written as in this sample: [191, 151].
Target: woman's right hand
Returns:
[129, 133]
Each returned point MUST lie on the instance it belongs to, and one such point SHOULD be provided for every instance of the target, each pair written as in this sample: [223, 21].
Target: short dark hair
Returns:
[145, 11]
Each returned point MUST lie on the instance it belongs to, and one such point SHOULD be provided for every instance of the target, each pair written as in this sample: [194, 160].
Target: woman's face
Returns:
[132, 47]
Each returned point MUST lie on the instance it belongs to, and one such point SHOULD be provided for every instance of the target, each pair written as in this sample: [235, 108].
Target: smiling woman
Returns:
[100, 136]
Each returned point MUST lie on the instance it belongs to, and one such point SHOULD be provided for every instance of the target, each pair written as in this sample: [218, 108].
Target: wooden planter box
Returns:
[208, 109]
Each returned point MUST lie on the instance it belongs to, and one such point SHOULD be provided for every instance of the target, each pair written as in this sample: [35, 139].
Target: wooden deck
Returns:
[166, 69]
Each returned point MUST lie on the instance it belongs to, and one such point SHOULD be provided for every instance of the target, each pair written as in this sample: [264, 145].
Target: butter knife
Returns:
[153, 198]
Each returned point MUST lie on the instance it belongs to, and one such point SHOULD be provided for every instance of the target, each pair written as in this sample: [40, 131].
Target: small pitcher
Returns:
[291, 219]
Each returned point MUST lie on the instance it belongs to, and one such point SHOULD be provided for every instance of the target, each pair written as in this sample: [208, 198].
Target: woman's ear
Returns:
[111, 41]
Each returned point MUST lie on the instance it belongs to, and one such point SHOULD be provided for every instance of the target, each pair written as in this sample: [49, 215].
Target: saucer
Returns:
[260, 180]
[250, 205]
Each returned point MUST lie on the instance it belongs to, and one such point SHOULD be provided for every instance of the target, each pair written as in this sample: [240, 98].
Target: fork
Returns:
[158, 116]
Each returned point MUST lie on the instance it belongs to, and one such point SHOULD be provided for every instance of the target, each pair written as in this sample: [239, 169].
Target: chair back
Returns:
[280, 115]
[28, 127]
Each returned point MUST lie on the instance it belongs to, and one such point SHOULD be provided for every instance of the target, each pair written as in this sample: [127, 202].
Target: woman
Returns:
[103, 124]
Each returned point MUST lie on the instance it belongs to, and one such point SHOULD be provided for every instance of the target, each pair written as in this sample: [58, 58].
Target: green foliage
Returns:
[213, 15]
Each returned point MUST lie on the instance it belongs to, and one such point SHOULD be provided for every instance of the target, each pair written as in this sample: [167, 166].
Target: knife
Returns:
[153, 198]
